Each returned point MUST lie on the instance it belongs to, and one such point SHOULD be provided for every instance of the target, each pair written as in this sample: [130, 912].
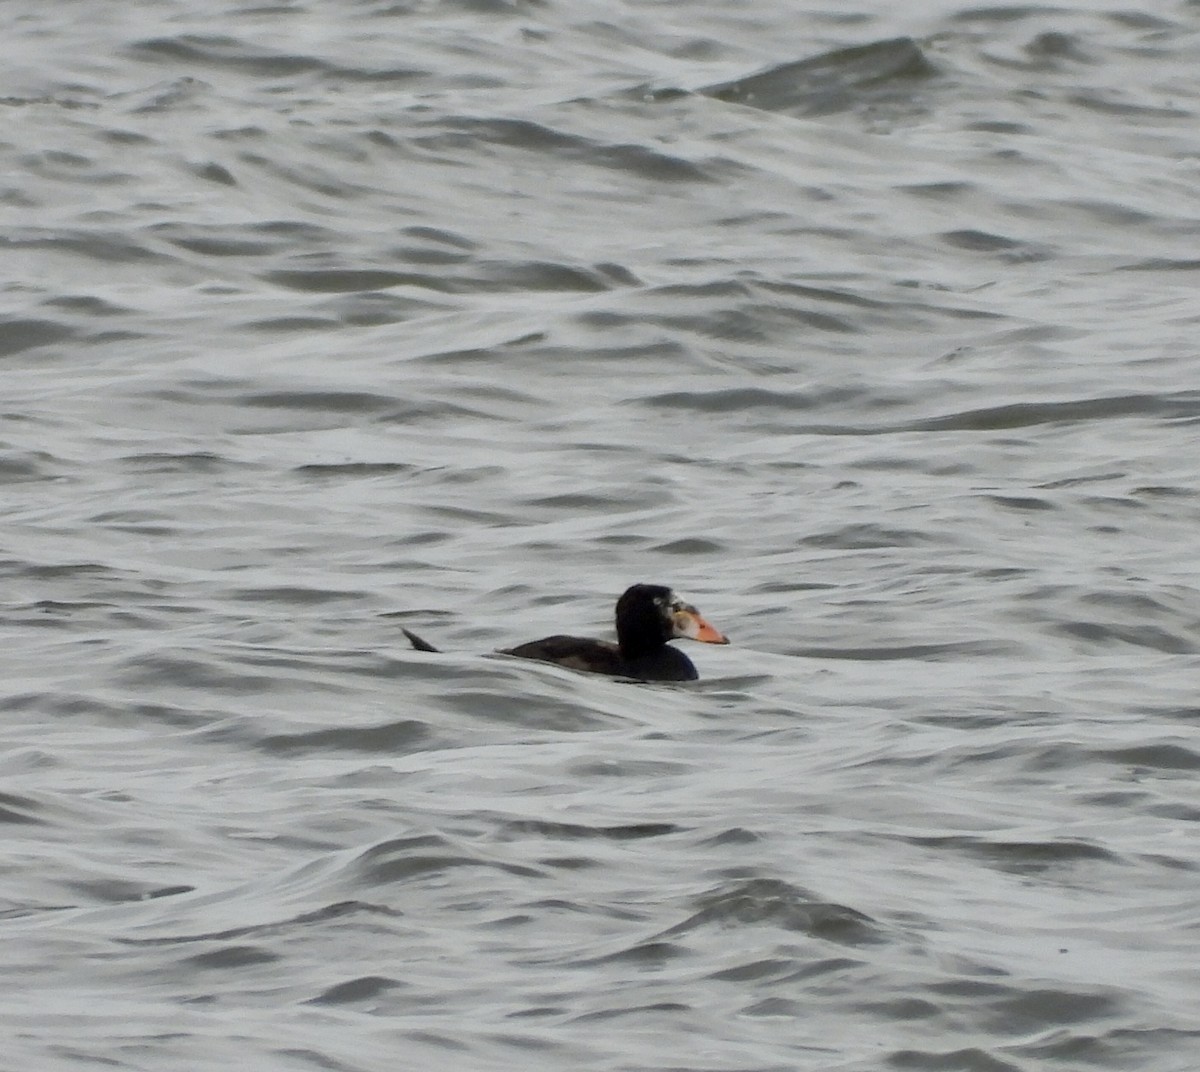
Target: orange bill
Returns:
[689, 623]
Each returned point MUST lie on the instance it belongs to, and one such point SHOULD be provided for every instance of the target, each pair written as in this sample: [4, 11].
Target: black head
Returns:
[648, 615]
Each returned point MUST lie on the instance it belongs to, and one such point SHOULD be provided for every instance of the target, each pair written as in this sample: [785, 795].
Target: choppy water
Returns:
[320, 319]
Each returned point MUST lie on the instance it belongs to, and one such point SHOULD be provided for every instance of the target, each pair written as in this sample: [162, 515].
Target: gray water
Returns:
[870, 328]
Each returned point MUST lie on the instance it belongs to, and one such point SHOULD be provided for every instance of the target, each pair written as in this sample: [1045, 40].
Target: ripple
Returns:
[1024, 857]
[777, 903]
[392, 739]
[19, 335]
[831, 82]
[219, 51]
[417, 858]
[19, 809]
[363, 988]
[233, 957]
[573, 831]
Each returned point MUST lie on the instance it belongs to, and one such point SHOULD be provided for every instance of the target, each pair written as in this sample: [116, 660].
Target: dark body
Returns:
[648, 616]
[664, 663]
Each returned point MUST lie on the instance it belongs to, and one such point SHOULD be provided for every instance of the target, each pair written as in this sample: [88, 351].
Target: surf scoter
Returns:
[648, 615]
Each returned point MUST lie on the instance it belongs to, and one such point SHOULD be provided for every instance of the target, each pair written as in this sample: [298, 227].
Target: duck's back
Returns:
[601, 657]
[576, 653]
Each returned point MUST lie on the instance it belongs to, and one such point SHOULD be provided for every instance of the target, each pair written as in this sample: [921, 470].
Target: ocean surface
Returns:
[872, 328]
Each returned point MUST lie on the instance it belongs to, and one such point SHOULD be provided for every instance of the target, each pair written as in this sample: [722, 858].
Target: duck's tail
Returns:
[417, 642]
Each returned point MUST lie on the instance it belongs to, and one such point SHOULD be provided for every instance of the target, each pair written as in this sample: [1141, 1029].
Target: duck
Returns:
[648, 616]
